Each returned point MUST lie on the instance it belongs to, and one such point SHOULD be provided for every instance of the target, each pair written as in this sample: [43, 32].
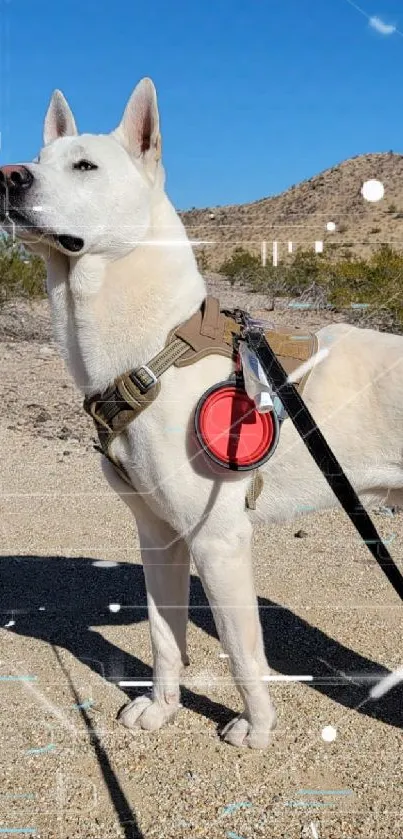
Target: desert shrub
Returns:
[376, 282]
[202, 260]
[303, 270]
[290, 278]
[247, 269]
[241, 266]
[344, 281]
[21, 274]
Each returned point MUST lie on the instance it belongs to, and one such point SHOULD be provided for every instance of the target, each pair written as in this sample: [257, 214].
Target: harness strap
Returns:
[210, 323]
[167, 356]
[209, 330]
[115, 408]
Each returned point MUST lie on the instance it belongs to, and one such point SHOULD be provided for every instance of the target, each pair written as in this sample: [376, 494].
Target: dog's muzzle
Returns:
[15, 180]
[14, 183]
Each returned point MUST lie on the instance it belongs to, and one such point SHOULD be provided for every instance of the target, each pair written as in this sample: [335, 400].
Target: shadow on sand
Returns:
[74, 596]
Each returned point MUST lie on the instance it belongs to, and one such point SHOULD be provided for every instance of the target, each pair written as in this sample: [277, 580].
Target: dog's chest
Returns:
[159, 450]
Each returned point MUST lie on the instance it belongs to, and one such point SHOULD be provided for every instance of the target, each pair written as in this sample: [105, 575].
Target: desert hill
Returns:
[301, 213]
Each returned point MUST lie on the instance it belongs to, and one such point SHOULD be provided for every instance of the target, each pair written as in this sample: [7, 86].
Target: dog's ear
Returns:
[139, 130]
[59, 120]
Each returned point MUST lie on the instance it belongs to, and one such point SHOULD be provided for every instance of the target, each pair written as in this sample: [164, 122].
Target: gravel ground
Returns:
[67, 768]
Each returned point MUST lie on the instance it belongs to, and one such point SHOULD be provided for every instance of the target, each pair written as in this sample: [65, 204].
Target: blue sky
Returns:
[254, 95]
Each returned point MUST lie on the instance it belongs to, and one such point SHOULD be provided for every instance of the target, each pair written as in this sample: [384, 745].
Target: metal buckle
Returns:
[142, 387]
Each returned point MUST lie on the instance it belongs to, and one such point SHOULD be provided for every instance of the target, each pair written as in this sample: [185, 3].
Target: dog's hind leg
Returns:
[166, 563]
[224, 564]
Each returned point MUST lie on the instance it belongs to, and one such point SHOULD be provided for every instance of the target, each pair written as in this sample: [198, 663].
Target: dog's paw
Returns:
[148, 714]
[240, 732]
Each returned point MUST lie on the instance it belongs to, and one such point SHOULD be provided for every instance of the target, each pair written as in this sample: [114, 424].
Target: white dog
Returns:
[121, 276]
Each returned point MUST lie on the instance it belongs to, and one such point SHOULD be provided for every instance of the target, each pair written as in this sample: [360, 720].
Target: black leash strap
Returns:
[322, 454]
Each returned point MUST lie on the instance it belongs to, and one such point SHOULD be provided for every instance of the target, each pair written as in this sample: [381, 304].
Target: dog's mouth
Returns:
[16, 217]
[72, 244]
[15, 222]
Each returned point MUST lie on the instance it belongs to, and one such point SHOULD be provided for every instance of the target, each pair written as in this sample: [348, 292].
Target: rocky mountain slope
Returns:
[301, 213]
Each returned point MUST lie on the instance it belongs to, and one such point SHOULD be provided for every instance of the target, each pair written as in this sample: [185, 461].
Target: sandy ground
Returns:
[67, 768]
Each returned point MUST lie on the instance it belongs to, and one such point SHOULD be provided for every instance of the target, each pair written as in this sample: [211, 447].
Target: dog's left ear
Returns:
[59, 120]
[139, 130]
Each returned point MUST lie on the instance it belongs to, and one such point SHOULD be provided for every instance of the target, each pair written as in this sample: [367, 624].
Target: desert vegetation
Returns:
[21, 274]
[373, 285]
[349, 282]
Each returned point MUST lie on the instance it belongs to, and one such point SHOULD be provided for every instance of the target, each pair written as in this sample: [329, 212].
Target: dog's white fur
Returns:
[113, 305]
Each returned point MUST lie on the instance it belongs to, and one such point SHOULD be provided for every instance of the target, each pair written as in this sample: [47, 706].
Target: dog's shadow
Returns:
[62, 600]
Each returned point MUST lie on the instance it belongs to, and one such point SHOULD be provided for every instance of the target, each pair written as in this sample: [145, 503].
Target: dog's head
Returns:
[87, 193]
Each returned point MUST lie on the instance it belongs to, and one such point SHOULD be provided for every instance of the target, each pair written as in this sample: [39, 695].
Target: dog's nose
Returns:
[15, 178]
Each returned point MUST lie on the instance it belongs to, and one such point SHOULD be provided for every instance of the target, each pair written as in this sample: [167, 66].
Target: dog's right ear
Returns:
[59, 120]
[139, 130]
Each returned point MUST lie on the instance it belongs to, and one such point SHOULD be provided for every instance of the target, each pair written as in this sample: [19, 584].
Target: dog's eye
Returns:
[84, 165]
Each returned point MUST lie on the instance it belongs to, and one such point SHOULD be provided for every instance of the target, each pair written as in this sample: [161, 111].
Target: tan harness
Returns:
[211, 330]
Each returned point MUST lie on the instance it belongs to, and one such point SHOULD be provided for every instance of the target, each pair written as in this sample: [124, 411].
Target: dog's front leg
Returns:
[166, 562]
[223, 560]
